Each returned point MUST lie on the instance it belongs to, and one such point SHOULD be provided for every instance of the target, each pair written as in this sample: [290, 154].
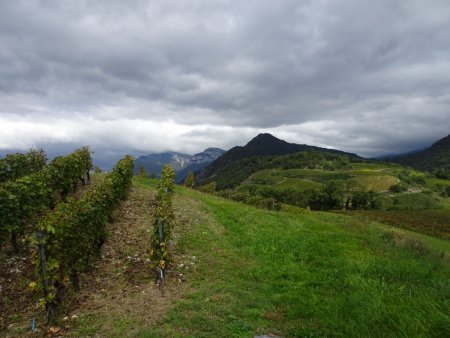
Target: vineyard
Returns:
[70, 237]
[55, 215]
[112, 254]
[24, 199]
[17, 165]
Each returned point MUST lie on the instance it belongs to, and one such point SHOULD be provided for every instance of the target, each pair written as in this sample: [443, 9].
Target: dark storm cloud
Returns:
[363, 76]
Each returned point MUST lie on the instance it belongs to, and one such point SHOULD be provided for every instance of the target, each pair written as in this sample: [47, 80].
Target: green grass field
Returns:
[302, 274]
[376, 182]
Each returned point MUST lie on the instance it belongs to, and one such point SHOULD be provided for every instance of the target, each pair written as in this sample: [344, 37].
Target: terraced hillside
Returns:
[370, 176]
[402, 197]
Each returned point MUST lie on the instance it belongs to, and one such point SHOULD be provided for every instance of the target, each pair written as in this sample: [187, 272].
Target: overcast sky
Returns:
[371, 77]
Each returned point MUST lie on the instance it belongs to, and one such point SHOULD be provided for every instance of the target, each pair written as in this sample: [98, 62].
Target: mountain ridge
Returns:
[435, 157]
[264, 144]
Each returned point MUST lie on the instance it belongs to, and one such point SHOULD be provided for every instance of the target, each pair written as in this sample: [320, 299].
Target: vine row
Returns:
[70, 237]
[163, 220]
[13, 166]
[24, 199]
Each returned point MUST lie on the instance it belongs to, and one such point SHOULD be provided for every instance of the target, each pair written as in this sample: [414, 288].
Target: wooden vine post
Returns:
[43, 268]
[163, 219]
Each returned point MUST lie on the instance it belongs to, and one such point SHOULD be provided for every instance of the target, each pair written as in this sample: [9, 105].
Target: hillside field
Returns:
[295, 273]
[240, 271]
[375, 177]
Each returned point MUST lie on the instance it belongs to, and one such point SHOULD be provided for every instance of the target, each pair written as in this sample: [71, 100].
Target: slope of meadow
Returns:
[241, 271]
[295, 273]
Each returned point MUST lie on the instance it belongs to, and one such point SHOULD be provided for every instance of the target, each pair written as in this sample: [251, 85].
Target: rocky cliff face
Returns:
[208, 155]
[182, 160]
[181, 163]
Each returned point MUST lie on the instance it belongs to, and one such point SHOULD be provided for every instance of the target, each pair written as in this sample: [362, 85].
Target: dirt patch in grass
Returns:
[275, 315]
[16, 300]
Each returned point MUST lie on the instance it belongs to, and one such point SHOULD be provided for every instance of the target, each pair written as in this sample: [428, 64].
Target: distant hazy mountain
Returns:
[435, 157]
[388, 157]
[181, 163]
[261, 145]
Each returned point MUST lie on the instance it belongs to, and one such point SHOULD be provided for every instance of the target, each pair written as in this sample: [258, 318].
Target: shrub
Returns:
[189, 180]
[208, 188]
[364, 200]
[442, 174]
[333, 195]
[397, 188]
[142, 171]
[252, 198]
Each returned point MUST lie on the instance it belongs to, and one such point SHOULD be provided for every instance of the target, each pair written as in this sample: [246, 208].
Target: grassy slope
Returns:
[427, 213]
[303, 274]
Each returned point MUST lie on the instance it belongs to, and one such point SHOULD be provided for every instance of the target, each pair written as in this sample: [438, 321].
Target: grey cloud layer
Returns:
[371, 77]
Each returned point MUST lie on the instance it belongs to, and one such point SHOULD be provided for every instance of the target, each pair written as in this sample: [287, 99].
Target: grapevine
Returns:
[25, 198]
[70, 237]
[163, 219]
[14, 166]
